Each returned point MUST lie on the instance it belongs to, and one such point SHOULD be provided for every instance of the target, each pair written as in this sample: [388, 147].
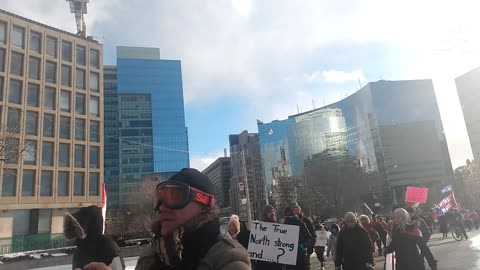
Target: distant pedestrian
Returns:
[458, 219]
[381, 227]
[443, 221]
[354, 248]
[311, 229]
[406, 243]
[237, 230]
[370, 228]
[320, 244]
[332, 241]
[475, 218]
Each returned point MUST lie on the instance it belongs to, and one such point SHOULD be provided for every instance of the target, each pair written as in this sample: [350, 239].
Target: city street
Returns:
[451, 254]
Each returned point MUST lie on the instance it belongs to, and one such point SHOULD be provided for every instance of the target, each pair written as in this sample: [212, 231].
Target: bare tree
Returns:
[11, 150]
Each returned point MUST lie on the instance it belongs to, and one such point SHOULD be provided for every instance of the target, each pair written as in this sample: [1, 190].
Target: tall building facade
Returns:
[145, 120]
[388, 129]
[468, 87]
[220, 172]
[246, 164]
[51, 125]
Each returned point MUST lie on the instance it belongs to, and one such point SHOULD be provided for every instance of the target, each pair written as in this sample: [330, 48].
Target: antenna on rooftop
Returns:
[79, 7]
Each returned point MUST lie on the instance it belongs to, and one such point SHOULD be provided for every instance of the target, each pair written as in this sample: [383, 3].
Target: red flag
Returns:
[416, 195]
[104, 204]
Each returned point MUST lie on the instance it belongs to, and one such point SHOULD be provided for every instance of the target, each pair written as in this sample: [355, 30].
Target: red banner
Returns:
[416, 195]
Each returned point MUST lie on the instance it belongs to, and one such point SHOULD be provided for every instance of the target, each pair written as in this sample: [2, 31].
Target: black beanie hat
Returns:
[288, 212]
[195, 179]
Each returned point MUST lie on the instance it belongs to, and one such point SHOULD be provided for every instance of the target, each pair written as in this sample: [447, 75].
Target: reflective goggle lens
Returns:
[173, 196]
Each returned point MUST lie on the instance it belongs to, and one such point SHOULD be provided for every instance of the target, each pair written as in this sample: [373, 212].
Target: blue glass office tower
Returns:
[390, 129]
[145, 130]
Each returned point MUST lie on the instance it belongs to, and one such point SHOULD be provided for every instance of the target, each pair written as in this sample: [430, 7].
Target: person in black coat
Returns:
[354, 248]
[406, 243]
[443, 225]
[304, 237]
[86, 227]
[269, 215]
[311, 229]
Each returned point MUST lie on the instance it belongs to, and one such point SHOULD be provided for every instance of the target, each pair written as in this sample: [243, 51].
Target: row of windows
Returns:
[15, 96]
[36, 45]
[50, 76]
[29, 181]
[13, 152]
[49, 122]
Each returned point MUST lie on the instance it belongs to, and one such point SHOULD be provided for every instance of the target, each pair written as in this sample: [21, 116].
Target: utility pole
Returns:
[245, 183]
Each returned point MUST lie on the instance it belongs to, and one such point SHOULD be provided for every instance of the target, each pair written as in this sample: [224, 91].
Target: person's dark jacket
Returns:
[205, 248]
[311, 230]
[406, 245]
[426, 233]
[304, 235]
[86, 227]
[243, 235]
[354, 249]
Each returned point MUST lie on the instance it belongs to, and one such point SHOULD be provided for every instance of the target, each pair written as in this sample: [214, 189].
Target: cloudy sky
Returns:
[244, 60]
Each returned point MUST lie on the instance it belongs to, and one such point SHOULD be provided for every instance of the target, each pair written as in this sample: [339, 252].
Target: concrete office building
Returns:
[468, 87]
[220, 172]
[51, 105]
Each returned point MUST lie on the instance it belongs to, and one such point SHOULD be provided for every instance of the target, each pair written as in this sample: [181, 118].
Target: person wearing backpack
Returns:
[381, 227]
[426, 233]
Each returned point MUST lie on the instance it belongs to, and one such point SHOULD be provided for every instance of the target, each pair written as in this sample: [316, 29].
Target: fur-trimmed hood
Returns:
[88, 221]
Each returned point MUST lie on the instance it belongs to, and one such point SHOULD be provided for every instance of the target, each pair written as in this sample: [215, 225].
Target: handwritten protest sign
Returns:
[416, 195]
[273, 242]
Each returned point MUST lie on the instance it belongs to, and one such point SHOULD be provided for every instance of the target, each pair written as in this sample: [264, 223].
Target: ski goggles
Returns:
[176, 195]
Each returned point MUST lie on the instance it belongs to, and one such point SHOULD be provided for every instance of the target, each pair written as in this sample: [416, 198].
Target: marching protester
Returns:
[237, 230]
[406, 242]
[354, 248]
[458, 220]
[269, 215]
[304, 237]
[311, 229]
[443, 221]
[475, 218]
[320, 244]
[189, 229]
[369, 227]
[332, 241]
[426, 233]
[381, 227]
[86, 227]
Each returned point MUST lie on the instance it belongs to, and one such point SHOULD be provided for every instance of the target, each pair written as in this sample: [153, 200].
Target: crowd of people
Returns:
[187, 235]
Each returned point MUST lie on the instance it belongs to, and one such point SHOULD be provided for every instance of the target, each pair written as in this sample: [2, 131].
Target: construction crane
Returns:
[79, 7]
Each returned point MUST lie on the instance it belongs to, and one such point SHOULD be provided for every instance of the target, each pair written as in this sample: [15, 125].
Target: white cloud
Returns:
[335, 76]
[202, 161]
[242, 7]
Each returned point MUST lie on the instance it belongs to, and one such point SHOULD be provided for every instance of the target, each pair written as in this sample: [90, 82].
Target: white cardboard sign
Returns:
[273, 242]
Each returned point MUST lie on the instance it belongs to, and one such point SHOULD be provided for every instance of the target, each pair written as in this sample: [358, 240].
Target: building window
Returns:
[50, 72]
[44, 220]
[28, 183]
[2, 60]
[22, 222]
[67, 51]
[47, 154]
[34, 68]
[36, 42]
[3, 32]
[81, 57]
[1, 88]
[64, 127]
[11, 150]
[15, 92]
[52, 46]
[50, 97]
[93, 82]
[94, 106]
[46, 183]
[80, 129]
[80, 79]
[63, 183]
[94, 58]
[93, 184]
[79, 184]
[48, 125]
[66, 75]
[13, 120]
[9, 183]
[32, 95]
[18, 36]
[94, 157]
[79, 156]
[31, 127]
[30, 153]
[94, 131]
[16, 66]
[80, 104]
[64, 155]
[65, 101]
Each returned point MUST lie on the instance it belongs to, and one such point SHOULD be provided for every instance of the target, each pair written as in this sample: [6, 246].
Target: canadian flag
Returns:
[104, 205]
